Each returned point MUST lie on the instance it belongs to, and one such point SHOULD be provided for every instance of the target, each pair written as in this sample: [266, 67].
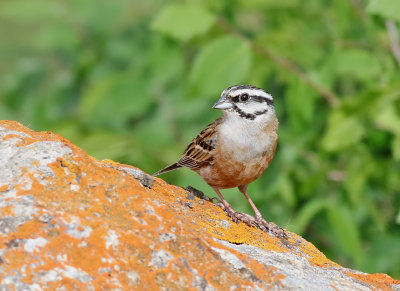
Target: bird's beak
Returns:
[222, 104]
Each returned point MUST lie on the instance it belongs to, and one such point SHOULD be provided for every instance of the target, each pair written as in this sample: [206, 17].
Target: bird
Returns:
[235, 149]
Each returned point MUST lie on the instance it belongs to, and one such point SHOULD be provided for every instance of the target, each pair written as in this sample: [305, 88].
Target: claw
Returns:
[270, 227]
[232, 214]
[258, 222]
[217, 201]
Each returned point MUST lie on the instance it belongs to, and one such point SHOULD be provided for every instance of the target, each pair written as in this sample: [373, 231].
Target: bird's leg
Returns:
[236, 216]
[260, 221]
[227, 207]
[243, 189]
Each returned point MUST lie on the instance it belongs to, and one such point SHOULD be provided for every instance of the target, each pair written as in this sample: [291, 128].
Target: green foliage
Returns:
[223, 62]
[134, 81]
[386, 8]
[183, 21]
[346, 231]
[342, 131]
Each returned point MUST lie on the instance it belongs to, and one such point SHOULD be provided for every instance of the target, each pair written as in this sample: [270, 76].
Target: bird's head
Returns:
[247, 102]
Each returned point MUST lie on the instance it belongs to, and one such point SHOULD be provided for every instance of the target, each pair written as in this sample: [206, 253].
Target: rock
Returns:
[69, 221]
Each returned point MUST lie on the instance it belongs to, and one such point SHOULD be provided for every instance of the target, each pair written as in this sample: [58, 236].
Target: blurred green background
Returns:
[134, 81]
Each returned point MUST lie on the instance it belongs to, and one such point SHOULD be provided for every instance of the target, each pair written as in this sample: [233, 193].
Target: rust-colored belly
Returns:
[227, 172]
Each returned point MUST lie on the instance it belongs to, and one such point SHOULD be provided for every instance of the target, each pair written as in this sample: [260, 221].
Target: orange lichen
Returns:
[7, 211]
[33, 136]
[379, 281]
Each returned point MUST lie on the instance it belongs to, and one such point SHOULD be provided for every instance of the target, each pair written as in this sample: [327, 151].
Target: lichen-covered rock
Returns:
[69, 221]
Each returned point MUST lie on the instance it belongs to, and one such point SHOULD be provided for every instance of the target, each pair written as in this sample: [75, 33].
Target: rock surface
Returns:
[69, 221]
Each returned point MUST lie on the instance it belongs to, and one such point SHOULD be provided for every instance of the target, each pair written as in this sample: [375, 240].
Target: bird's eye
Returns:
[244, 97]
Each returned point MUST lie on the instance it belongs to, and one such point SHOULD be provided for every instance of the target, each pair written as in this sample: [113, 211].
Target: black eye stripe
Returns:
[255, 98]
[262, 99]
[235, 99]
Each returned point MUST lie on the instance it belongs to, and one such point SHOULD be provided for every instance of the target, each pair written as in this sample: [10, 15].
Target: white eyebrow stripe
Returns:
[256, 92]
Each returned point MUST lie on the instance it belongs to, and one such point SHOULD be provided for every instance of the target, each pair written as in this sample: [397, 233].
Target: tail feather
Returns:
[167, 169]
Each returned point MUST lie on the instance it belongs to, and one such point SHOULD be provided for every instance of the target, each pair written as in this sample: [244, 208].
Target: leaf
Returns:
[183, 21]
[375, 212]
[112, 102]
[99, 16]
[359, 165]
[398, 217]
[396, 149]
[167, 61]
[383, 253]
[222, 63]
[343, 131]
[286, 190]
[388, 118]
[57, 37]
[26, 11]
[356, 63]
[346, 230]
[385, 8]
[6, 114]
[300, 103]
[113, 145]
[262, 4]
[306, 214]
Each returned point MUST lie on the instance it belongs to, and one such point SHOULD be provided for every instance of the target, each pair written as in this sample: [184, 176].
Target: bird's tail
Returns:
[167, 169]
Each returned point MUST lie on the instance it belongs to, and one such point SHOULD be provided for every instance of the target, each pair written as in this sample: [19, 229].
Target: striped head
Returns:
[248, 102]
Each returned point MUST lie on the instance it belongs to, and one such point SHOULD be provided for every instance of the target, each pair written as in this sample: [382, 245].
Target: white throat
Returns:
[246, 139]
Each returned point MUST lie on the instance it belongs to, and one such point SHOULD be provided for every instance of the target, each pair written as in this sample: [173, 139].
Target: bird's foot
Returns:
[232, 214]
[218, 202]
[258, 222]
[262, 224]
[197, 193]
[238, 216]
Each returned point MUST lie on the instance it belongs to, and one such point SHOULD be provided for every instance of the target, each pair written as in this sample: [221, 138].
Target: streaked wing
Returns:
[200, 151]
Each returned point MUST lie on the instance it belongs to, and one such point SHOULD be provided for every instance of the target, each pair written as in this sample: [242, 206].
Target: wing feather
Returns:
[200, 151]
